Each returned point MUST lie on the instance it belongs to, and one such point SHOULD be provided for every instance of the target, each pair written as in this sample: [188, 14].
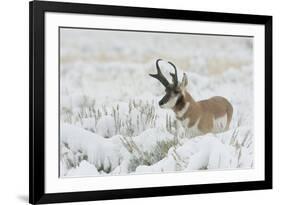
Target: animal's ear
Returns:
[184, 81]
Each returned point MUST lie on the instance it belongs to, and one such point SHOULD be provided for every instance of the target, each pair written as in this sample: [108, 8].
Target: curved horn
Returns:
[159, 76]
[174, 75]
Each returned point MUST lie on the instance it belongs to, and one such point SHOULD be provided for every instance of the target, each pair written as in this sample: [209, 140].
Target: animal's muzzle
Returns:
[164, 100]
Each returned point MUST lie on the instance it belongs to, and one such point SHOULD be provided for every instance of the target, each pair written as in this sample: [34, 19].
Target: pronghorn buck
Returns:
[199, 117]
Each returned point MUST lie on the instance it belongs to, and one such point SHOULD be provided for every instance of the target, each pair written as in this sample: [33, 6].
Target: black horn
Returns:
[174, 75]
[159, 76]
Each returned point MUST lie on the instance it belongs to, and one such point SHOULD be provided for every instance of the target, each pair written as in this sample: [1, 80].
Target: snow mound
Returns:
[205, 152]
[84, 169]
[221, 151]
[148, 139]
[105, 154]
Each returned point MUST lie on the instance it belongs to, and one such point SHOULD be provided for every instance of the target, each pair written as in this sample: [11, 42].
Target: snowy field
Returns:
[110, 120]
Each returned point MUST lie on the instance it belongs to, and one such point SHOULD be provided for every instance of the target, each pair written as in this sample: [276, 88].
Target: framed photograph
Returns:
[140, 102]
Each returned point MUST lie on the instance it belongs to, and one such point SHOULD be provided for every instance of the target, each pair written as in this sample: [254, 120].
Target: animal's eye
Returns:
[176, 92]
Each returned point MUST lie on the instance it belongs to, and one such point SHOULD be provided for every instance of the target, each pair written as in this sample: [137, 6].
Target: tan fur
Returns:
[206, 111]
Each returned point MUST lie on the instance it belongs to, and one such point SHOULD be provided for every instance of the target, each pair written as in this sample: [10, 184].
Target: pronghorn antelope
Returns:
[201, 117]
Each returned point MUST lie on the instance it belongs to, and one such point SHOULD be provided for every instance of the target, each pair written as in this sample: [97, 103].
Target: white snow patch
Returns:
[106, 126]
[84, 169]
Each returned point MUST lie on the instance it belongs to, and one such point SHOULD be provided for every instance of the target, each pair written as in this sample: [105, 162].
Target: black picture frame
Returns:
[37, 9]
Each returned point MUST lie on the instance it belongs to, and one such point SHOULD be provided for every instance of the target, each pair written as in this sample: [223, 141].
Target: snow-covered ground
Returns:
[111, 123]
